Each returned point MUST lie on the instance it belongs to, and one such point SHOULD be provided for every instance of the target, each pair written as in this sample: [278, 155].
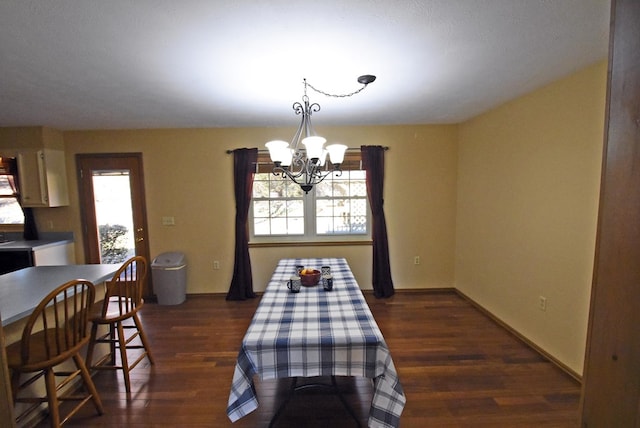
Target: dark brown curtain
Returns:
[373, 164]
[10, 166]
[244, 162]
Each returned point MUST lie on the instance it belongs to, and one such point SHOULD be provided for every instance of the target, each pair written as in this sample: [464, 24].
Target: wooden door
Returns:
[611, 384]
[94, 167]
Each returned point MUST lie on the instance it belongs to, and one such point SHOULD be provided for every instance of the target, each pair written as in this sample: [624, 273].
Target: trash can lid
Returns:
[169, 259]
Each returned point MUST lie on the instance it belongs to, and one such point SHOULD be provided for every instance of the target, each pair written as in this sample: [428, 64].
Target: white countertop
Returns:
[22, 290]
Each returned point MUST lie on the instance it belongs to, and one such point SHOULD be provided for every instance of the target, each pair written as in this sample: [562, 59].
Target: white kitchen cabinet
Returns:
[21, 254]
[43, 178]
[54, 255]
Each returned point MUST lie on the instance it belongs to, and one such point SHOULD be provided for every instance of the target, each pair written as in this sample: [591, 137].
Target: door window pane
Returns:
[114, 215]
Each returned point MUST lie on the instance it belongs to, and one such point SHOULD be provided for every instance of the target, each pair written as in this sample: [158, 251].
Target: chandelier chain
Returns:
[309, 166]
[333, 95]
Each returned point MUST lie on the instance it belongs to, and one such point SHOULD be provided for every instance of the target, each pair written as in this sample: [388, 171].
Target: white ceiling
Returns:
[99, 64]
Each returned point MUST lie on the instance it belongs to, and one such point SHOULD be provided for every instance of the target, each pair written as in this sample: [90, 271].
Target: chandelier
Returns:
[308, 166]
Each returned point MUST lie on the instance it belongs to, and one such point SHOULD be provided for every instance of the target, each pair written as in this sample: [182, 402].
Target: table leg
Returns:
[294, 387]
[292, 390]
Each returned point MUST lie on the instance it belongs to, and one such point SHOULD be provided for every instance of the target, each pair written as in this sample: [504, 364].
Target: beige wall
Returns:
[33, 137]
[189, 176]
[528, 185]
[507, 201]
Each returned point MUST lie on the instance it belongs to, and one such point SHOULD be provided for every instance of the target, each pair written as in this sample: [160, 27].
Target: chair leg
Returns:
[15, 384]
[92, 344]
[143, 337]
[52, 397]
[122, 343]
[112, 343]
[88, 382]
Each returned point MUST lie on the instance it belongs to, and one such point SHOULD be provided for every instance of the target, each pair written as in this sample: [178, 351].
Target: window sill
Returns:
[5, 227]
[308, 244]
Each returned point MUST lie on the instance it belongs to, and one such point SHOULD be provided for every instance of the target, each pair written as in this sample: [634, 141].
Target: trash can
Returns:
[169, 276]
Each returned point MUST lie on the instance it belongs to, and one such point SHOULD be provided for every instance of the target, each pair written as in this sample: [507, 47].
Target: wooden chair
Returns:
[119, 312]
[55, 332]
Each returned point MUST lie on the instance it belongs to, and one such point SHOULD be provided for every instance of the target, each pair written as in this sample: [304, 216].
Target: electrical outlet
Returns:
[216, 265]
[542, 303]
[416, 260]
[168, 221]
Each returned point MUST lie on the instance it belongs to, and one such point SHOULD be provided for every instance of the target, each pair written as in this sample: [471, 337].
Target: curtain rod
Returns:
[229, 151]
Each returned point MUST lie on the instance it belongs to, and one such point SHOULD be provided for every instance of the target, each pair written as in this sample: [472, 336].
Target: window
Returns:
[341, 204]
[10, 210]
[336, 208]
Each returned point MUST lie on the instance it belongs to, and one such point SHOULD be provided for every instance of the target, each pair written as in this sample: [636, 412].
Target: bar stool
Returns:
[122, 301]
[63, 319]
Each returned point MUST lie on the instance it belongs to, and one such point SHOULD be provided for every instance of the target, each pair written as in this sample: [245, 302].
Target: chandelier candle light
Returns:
[308, 166]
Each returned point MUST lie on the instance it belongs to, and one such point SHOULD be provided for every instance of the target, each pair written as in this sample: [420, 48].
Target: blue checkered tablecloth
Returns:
[316, 333]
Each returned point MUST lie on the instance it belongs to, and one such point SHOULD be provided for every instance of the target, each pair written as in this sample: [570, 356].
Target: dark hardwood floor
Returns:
[458, 369]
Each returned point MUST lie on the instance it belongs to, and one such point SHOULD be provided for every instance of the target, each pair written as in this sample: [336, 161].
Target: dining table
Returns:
[22, 290]
[316, 333]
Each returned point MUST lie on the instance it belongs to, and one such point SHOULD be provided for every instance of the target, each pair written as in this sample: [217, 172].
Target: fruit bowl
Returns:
[310, 277]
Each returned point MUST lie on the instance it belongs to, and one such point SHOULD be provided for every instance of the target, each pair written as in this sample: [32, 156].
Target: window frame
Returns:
[351, 162]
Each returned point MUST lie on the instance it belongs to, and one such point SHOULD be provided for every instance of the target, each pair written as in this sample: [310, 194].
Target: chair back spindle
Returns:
[125, 289]
[64, 316]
